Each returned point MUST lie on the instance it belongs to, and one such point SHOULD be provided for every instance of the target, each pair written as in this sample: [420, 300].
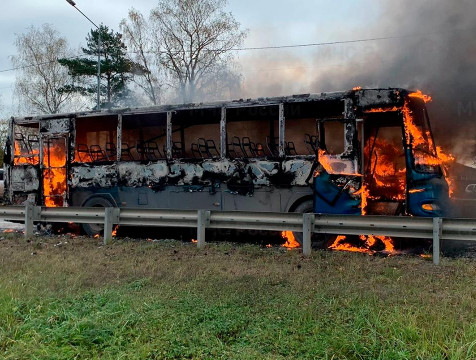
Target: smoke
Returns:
[270, 75]
[438, 56]
[436, 52]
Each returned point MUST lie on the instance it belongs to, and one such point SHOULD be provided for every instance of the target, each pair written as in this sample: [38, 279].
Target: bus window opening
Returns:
[253, 132]
[301, 137]
[95, 139]
[196, 134]
[144, 137]
[26, 145]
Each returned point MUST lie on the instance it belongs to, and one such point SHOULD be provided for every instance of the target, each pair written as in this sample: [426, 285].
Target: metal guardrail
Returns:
[430, 228]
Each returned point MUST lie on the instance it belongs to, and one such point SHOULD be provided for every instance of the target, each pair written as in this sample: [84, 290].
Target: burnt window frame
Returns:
[162, 119]
[13, 136]
[238, 114]
[74, 145]
[187, 118]
[327, 109]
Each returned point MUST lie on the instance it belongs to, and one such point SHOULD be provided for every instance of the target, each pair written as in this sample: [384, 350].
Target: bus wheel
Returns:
[95, 229]
[303, 208]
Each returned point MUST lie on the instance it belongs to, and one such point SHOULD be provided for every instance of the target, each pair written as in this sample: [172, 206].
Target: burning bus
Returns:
[356, 152]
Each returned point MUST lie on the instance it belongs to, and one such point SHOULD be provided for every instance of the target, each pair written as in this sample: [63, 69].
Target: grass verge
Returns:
[168, 300]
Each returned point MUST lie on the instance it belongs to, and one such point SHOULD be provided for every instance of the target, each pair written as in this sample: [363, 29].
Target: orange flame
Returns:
[385, 176]
[340, 245]
[54, 174]
[24, 157]
[379, 110]
[364, 196]
[326, 163]
[419, 95]
[291, 242]
[194, 241]
[411, 130]
[114, 232]
[367, 242]
[388, 243]
[420, 139]
[54, 185]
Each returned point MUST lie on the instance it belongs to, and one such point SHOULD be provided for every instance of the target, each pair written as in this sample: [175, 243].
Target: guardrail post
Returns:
[437, 229]
[203, 220]
[29, 211]
[111, 217]
[307, 230]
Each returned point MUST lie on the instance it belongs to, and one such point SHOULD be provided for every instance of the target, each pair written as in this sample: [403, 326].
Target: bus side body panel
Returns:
[179, 197]
[253, 185]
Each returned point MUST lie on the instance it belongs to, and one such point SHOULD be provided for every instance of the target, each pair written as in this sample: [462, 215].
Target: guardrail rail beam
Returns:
[415, 227]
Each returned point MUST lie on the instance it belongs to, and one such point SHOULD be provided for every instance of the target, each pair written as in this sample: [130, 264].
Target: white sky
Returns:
[269, 23]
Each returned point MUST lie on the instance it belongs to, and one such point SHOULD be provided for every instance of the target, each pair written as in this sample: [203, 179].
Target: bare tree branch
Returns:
[139, 40]
[40, 76]
[197, 37]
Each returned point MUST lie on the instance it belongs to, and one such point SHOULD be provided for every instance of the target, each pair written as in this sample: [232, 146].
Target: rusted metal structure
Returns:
[321, 152]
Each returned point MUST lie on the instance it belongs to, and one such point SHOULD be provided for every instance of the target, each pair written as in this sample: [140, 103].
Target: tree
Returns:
[140, 41]
[3, 132]
[196, 38]
[116, 69]
[39, 76]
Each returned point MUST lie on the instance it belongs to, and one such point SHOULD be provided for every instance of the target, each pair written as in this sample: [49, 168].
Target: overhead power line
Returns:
[349, 41]
[328, 43]
[37, 64]
[321, 43]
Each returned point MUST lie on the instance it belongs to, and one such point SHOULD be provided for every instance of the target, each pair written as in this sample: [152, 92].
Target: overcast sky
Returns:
[269, 23]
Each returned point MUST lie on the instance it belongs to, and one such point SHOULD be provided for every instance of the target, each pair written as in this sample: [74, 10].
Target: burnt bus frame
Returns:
[353, 105]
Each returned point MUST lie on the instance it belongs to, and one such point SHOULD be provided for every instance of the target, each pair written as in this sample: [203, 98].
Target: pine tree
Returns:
[116, 69]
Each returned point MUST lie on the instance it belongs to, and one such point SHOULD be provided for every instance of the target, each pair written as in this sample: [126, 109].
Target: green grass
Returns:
[168, 300]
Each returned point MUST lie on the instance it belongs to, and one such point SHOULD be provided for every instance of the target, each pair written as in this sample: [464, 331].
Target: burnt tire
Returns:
[95, 229]
[303, 208]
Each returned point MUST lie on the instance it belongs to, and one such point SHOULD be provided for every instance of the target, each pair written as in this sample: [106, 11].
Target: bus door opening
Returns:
[55, 169]
[384, 165]
[337, 180]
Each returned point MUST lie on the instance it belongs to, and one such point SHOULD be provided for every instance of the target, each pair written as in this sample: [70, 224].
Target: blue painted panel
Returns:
[330, 199]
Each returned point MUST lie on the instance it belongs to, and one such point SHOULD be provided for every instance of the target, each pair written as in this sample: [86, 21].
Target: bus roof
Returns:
[365, 98]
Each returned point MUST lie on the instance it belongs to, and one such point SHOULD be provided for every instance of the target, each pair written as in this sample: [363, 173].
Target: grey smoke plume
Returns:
[437, 54]
[438, 57]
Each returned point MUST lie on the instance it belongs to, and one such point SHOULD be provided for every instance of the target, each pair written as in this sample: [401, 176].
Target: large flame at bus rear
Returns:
[54, 173]
[24, 157]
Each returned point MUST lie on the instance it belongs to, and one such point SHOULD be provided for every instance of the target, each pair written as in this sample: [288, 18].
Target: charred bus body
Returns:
[361, 151]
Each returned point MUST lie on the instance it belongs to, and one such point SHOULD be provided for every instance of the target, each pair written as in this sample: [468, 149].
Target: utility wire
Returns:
[37, 64]
[322, 43]
[346, 41]
[267, 47]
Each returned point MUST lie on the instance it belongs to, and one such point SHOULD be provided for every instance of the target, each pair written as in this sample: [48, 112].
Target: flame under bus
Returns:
[361, 151]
